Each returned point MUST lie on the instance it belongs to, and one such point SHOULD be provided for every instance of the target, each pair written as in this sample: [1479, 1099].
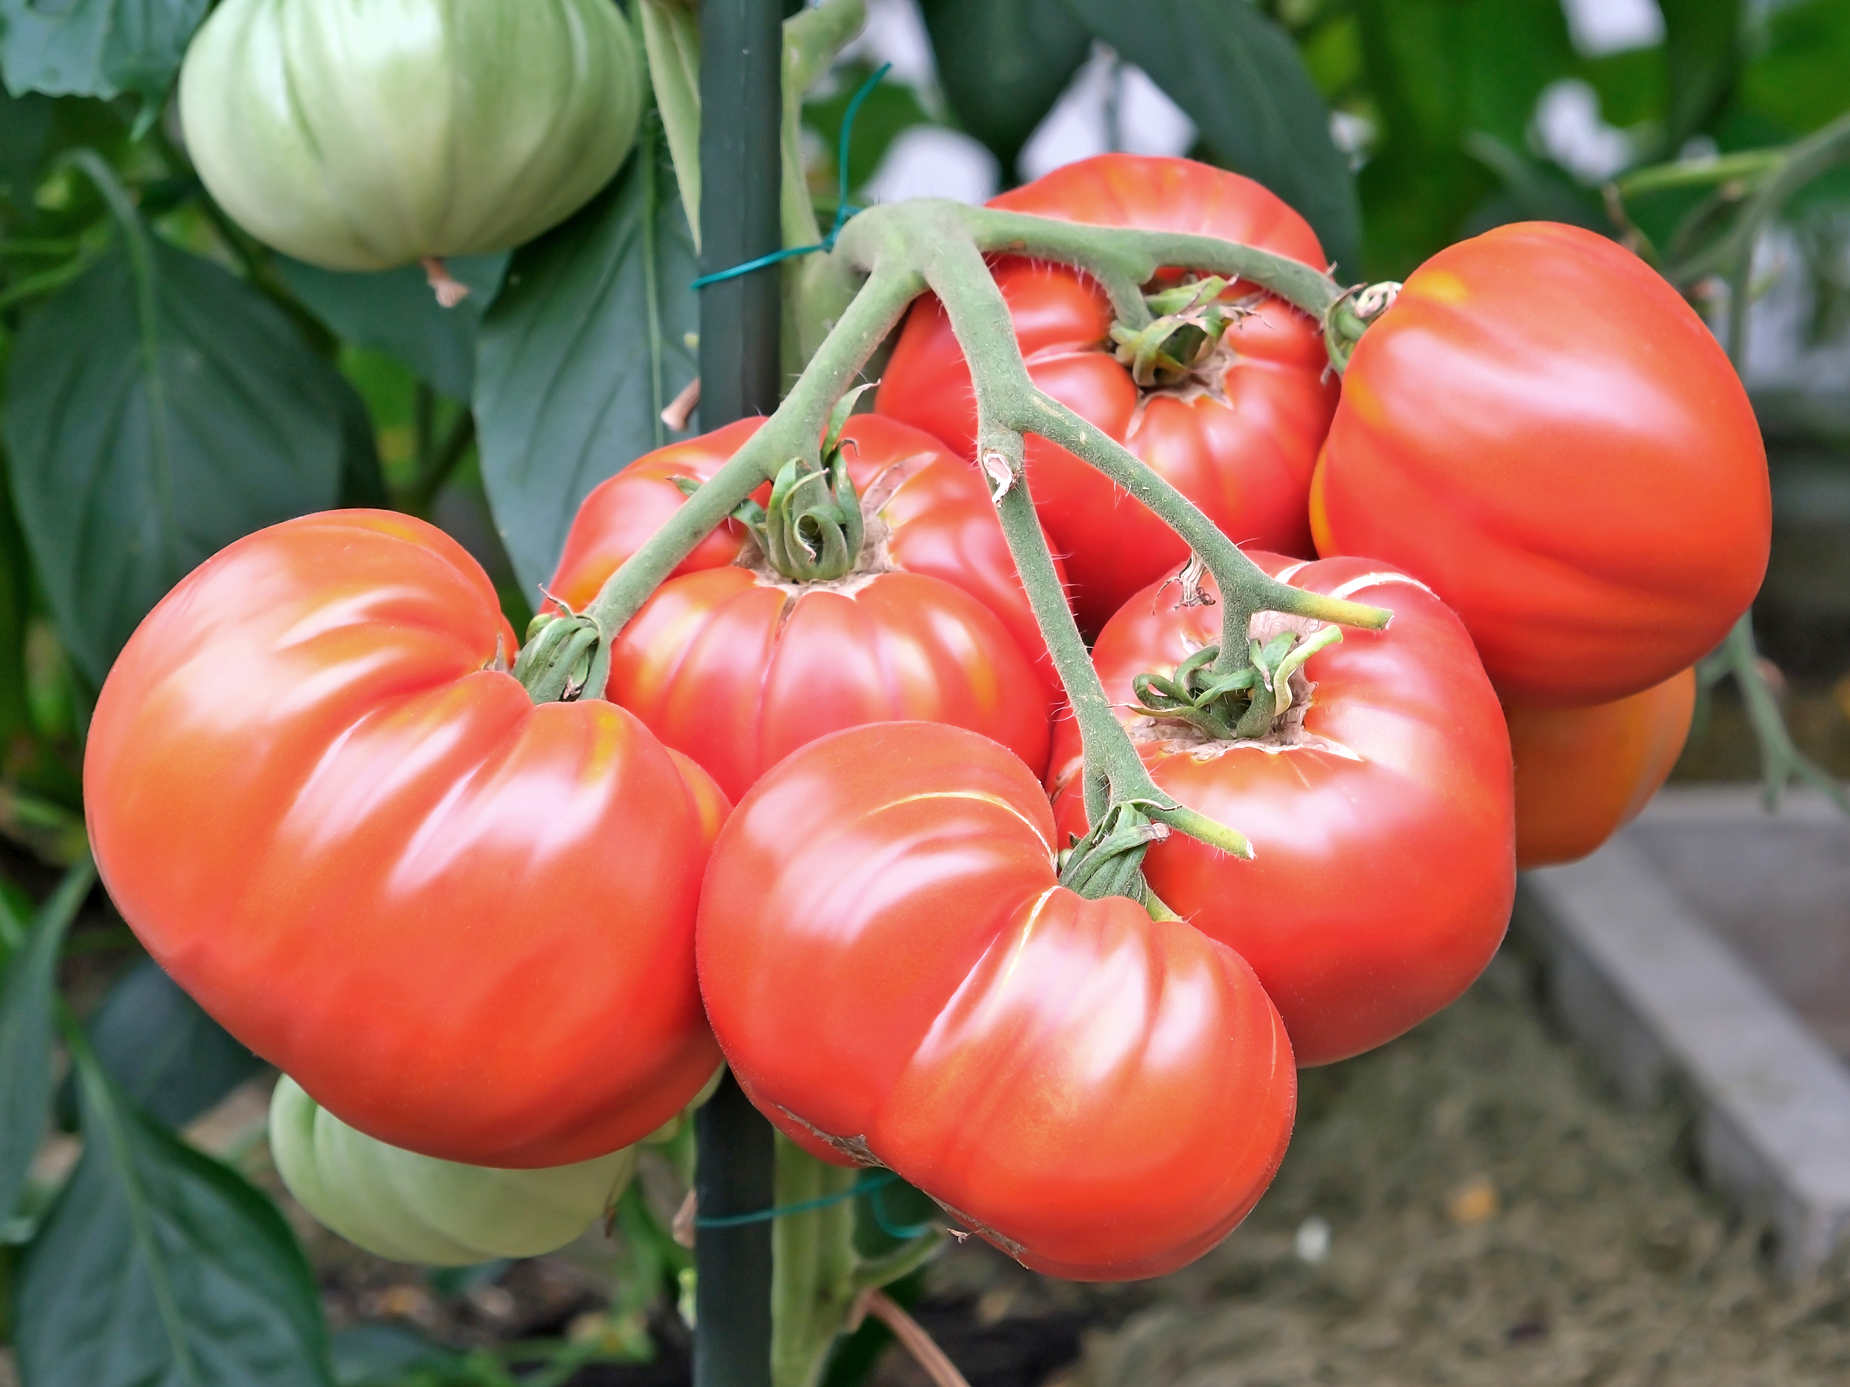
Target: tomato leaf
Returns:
[1003, 64]
[1702, 45]
[396, 312]
[1240, 79]
[671, 37]
[28, 996]
[159, 408]
[15, 611]
[158, 1265]
[95, 47]
[169, 1058]
[586, 344]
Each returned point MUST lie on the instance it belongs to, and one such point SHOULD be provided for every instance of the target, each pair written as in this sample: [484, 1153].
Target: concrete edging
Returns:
[1654, 991]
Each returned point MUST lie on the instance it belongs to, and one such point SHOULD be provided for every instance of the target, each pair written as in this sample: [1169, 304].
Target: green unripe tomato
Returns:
[363, 134]
[412, 1208]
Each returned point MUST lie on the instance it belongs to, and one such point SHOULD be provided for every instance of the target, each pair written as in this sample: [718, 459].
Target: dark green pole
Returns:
[741, 52]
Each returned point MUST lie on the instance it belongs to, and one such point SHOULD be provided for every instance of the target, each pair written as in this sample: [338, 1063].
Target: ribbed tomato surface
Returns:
[1380, 815]
[462, 922]
[896, 979]
[1546, 434]
[738, 667]
[1240, 443]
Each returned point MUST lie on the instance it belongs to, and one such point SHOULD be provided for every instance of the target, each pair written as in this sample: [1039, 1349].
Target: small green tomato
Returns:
[363, 134]
[412, 1208]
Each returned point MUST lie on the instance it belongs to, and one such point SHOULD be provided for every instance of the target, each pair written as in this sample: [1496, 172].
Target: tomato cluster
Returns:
[521, 936]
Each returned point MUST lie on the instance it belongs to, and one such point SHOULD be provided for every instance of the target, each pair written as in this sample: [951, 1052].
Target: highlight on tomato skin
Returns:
[1582, 774]
[463, 922]
[896, 978]
[1545, 433]
[1239, 439]
[1381, 817]
[736, 665]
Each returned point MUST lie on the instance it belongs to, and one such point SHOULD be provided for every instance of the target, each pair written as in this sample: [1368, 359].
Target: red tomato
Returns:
[1582, 774]
[897, 980]
[1380, 816]
[738, 667]
[1543, 431]
[462, 922]
[1241, 447]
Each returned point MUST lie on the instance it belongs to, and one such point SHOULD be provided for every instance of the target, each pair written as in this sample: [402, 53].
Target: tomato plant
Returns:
[896, 977]
[458, 900]
[411, 1208]
[1379, 807]
[1236, 431]
[738, 665]
[1543, 430]
[1584, 773]
[341, 827]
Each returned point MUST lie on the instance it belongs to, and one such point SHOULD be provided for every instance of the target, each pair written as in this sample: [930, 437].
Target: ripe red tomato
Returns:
[1241, 444]
[896, 979]
[462, 922]
[1544, 432]
[1582, 774]
[737, 667]
[1380, 816]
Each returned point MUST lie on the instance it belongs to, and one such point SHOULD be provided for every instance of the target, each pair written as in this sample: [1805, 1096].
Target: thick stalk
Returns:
[740, 71]
[794, 430]
[1008, 400]
[813, 1283]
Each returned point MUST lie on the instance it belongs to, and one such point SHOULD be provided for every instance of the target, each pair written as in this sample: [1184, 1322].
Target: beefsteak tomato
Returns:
[411, 1208]
[1582, 774]
[359, 136]
[737, 666]
[1239, 437]
[1379, 808]
[1546, 434]
[464, 923]
[896, 979]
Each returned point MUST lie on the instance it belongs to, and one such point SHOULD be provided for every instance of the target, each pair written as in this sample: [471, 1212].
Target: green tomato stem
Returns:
[794, 431]
[1114, 772]
[1008, 400]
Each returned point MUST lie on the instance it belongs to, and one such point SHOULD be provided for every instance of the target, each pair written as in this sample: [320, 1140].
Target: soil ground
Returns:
[1468, 1205]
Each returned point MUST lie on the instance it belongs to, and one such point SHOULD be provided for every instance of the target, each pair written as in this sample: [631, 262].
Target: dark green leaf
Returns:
[1003, 64]
[1438, 70]
[584, 347]
[1798, 81]
[160, 1267]
[28, 997]
[671, 38]
[371, 1354]
[396, 312]
[1702, 46]
[25, 126]
[152, 421]
[162, 1050]
[15, 610]
[95, 47]
[1239, 77]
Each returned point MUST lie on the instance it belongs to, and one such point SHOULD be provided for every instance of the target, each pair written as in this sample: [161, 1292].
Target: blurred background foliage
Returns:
[1396, 126]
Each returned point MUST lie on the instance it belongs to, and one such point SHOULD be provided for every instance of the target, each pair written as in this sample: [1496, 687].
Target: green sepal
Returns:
[812, 529]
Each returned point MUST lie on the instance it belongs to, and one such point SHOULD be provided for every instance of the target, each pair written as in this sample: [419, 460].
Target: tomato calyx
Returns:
[1352, 315]
[1245, 705]
[557, 659]
[812, 529]
[1108, 861]
[1191, 321]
